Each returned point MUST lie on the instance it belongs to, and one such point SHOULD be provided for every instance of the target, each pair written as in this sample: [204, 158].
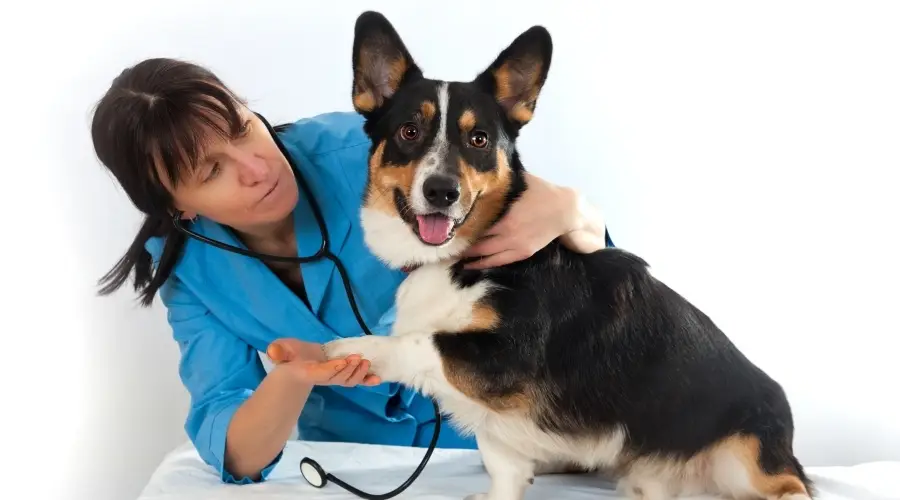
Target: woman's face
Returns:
[245, 183]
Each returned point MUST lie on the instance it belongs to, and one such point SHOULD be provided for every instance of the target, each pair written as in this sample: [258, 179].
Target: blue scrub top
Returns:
[225, 308]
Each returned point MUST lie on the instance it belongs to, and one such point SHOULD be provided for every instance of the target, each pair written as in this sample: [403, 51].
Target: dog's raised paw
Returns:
[367, 347]
[377, 350]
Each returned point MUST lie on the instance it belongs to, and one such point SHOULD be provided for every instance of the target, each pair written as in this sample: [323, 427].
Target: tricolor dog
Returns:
[562, 361]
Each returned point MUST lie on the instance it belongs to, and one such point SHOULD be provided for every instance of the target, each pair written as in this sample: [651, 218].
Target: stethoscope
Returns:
[314, 474]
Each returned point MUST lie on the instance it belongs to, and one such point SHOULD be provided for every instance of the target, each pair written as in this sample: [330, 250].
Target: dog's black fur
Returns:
[616, 345]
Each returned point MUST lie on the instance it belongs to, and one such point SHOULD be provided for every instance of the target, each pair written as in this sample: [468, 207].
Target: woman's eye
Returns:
[409, 132]
[479, 139]
[213, 172]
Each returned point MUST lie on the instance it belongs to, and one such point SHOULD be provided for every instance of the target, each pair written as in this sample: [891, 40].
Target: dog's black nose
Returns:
[441, 191]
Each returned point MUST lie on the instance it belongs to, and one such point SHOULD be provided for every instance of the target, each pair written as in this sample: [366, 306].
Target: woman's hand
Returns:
[307, 363]
[263, 423]
[544, 212]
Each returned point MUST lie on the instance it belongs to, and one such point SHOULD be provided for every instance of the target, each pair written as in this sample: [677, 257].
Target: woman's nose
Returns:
[252, 169]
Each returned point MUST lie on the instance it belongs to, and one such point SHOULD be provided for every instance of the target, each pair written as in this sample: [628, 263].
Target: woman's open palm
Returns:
[307, 362]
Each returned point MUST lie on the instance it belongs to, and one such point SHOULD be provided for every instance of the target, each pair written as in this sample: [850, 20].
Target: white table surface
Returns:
[451, 474]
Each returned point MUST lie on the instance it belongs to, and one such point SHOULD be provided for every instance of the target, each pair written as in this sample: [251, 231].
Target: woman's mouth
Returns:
[270, 191]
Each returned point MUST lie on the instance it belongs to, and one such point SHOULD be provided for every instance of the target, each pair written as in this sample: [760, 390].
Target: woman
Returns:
[180, 142]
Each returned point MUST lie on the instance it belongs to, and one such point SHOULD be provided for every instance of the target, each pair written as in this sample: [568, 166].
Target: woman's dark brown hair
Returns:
[154, 120]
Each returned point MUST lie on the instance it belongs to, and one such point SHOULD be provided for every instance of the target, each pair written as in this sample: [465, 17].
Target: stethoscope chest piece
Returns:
[313, 473]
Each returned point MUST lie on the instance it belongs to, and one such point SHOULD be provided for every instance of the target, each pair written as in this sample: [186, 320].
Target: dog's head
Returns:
[443, 165]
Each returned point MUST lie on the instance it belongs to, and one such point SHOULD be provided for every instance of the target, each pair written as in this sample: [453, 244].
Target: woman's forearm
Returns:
[262, 425]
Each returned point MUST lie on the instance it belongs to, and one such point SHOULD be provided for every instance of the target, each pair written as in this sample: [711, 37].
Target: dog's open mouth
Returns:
[434, 229]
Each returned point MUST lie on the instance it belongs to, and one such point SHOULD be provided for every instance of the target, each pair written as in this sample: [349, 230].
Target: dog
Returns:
[562, 361]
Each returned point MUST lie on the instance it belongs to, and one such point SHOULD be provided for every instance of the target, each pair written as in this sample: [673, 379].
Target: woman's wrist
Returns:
[583, 216]
[290, 380]
[589, 218]
[584, 229]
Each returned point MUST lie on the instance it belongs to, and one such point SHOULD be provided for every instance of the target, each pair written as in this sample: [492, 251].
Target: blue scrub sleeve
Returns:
[219, 370]
[385, 322]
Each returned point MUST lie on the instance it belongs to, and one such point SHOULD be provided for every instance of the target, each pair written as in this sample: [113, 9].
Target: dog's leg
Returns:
[643, 488]
[737, 470]
[559, 467]
[510, 472]
[407, 359]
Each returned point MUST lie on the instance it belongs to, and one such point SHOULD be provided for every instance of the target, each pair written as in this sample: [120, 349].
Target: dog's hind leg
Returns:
[745, 466]
[511, 473]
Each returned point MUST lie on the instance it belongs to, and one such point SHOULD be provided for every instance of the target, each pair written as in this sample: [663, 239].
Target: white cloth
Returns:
[450, 474]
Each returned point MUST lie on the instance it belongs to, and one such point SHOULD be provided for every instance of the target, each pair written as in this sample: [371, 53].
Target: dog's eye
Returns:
[409, 132]
[479, 139]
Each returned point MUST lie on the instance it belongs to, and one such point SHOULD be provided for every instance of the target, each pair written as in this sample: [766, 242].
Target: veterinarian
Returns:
[179, 141]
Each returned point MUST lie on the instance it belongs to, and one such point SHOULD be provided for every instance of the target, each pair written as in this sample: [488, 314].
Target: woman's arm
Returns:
[262, 425]
[240, 417]
[221, 373]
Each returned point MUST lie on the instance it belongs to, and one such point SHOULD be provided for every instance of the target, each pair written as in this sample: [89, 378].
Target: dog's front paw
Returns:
[374, 349]
[642, 489]
[366, 347]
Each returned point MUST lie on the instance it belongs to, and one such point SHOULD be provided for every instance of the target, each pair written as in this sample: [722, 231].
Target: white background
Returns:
[749, 152]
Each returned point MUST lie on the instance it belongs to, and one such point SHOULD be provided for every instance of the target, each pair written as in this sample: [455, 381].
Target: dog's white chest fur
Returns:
[429, 302]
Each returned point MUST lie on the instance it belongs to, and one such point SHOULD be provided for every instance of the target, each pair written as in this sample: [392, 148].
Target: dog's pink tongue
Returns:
[434, 228]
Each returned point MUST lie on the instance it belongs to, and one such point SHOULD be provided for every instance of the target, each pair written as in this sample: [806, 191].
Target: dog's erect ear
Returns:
[518, 74]
[380, 62]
